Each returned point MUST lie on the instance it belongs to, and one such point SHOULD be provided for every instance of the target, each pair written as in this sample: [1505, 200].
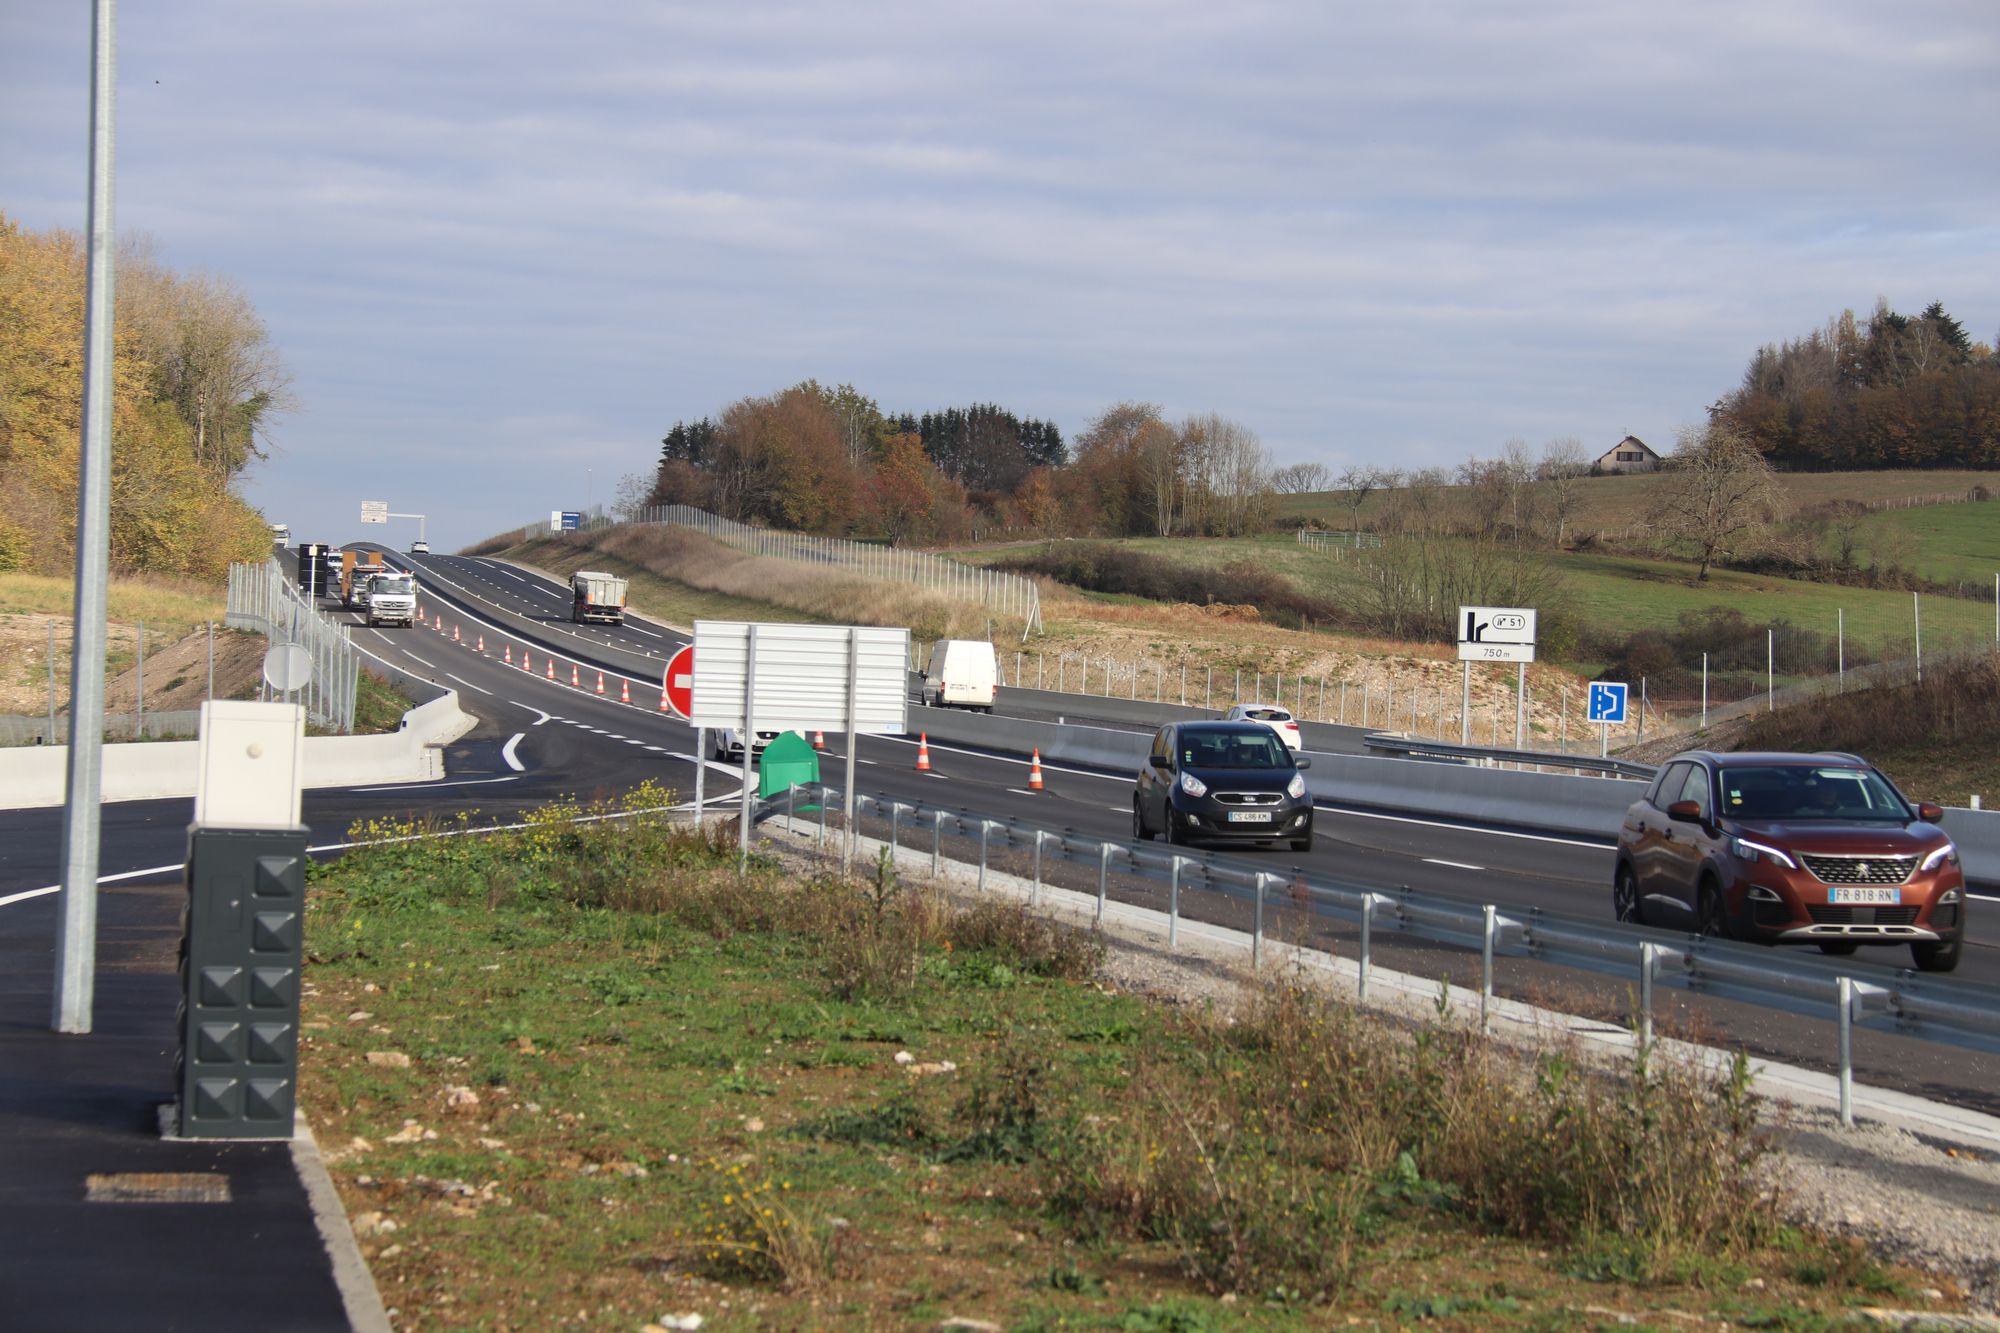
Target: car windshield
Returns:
[1233, 749]
[394, 586]
[1799, 791]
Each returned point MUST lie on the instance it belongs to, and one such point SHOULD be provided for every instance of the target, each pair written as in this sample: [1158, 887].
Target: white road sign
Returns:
[1496, 624]
[1496, 652]
[801, 680]
[374, 511]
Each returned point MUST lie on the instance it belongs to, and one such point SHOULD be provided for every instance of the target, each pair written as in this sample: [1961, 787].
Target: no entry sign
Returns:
[678, 683]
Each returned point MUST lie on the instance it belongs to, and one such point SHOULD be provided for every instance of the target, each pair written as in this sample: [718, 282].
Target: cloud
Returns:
[499, 242]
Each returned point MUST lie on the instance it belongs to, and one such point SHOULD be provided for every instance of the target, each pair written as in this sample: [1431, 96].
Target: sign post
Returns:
[1607, 705]
[1495, 634]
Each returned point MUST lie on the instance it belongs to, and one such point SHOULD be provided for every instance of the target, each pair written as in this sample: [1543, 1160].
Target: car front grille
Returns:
[1861, 869]
[1247, 797]
[1843, 915]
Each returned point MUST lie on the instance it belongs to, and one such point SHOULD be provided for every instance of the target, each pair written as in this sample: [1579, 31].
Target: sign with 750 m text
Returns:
[1496, 634]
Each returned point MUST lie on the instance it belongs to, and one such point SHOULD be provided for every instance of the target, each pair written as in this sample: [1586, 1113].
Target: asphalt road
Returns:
[538, 738]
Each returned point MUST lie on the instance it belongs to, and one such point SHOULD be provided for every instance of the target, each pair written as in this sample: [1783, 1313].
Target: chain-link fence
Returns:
[265, 599]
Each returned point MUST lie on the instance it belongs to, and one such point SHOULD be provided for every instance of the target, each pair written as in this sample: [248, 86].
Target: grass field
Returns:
[1952, 543]
[585, 1076]
[170, 606]
[1615, 504]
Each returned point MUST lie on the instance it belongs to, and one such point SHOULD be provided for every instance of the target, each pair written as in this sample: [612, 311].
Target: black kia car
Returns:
[1223, 781]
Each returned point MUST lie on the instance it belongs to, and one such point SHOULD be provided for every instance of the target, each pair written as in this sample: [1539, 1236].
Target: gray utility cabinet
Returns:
[237, 1076]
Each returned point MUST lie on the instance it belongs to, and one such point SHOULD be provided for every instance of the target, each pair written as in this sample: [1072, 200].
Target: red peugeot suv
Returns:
[1791, 849]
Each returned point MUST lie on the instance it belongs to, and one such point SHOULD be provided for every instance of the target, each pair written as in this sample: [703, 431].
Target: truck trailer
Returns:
[599, 597]
[356, 568]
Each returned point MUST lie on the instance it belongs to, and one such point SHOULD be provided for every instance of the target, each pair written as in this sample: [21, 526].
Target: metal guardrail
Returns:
[1937, 1009]
[1417, 748]
[264, 598]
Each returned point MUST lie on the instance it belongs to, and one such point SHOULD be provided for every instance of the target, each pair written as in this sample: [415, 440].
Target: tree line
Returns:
[830, 460]
[1894, 391]
[196, 385]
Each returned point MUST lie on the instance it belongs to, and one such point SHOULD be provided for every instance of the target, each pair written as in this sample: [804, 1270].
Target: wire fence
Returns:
[262, 597]
[1338, 543]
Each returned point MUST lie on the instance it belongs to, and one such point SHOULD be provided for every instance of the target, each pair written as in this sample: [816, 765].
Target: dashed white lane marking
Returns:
[1455, 865]
[1116, 809]
[468, 684]
[1020, 792]
[418, 660]
[1440, 823]
[629, 741]
[507, 752]
[656, 749]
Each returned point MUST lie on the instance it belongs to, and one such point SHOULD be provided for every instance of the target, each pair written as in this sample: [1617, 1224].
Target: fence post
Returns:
[983, 829]
[1174, 907]
[1103, 875]
[1368, 901]
[1257, 929]
[895, 809]
[1035, 899]
[937, 840]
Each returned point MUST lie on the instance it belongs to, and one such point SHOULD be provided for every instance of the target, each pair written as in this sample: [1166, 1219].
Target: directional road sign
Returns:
[678, 683]
[1607, 700]
[374, 511]
[1496, 634]
[565, 520]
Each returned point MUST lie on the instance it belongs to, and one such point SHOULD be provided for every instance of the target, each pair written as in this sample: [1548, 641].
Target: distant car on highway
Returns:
[729, 743]
[1222, 781]
[1791, 849]
[420, 548]
[1272, 716]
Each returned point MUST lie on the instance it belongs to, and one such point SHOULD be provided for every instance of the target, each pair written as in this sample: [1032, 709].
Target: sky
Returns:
[502, 246]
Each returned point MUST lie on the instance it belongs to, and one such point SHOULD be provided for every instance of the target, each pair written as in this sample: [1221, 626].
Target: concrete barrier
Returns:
[39, 775]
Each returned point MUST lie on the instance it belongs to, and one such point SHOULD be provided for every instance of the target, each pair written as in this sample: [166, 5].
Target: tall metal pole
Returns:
[1464, 704]
[76, 928]
[1917, 612]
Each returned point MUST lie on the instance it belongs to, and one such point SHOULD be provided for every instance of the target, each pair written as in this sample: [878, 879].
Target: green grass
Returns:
[610, 1080]
[1952, 543]
[168, 606]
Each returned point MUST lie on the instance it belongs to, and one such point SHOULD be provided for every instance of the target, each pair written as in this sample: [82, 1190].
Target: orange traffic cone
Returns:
[552, 668]
[575, 681]
[440, 622]
[482, 644]
[508, 649]
[665, 707]
[923, 752]
[819, 740]
[1035, 771]
[525, 666]
[454, 634]
[600, 682]
[624, 691]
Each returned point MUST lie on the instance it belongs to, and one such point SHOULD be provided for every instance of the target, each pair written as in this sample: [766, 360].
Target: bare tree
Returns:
[1300, 479]
[1561, 473]
[1717, 497]
[1161, 461]
[1358, 483]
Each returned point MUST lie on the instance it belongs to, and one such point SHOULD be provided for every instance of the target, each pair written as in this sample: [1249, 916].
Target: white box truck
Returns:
[962, 674]
[391, 599]
[596, 597]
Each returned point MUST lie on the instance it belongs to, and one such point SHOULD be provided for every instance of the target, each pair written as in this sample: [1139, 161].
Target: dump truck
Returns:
[356, 568]
[391, 598]
[596, 596]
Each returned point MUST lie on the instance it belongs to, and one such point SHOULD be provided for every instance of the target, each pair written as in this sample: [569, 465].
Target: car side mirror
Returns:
[1161, 761]
[1929, 812]
[1302, 762]
[1687, 810]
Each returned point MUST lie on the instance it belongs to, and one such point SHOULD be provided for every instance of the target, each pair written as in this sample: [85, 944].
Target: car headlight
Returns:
[1756, 851]
[1296, 788]
[1946, 855]
[1193, 785]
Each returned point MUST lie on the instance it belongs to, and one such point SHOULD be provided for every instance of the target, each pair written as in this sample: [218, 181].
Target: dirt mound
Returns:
[176, 674]
[1220, 610]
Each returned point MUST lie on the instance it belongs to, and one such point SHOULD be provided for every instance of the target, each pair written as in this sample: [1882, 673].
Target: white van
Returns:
[962, 674]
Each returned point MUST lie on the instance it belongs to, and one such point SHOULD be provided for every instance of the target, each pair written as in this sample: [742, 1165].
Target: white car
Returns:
[420, 548]
[729, 743]
[1272, 716]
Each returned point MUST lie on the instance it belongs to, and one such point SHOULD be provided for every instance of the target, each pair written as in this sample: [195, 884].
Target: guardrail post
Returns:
[895, 809]
[1257, 930]
[983, 828]
[937, 840]
[1649, 959]
[1486, 961]
[1035, 899]
[1368, 901]
[1103, 876]
[1844, 991]
[1174, 907]
[823, 803]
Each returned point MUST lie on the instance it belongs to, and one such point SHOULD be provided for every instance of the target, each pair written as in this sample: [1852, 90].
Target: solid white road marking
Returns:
[1455, 865]
[1440, 823]
[420, 661]
[468, 684]
[101, 879]
[433, 786]
[540, 716]
[507, 752]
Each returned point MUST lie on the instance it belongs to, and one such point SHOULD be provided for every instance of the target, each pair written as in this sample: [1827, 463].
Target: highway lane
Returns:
[573, 742]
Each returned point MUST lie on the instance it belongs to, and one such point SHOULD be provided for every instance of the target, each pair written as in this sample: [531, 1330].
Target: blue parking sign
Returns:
[1607, 700]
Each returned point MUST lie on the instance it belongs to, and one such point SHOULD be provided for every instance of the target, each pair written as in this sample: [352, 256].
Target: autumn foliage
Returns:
[193, 379]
